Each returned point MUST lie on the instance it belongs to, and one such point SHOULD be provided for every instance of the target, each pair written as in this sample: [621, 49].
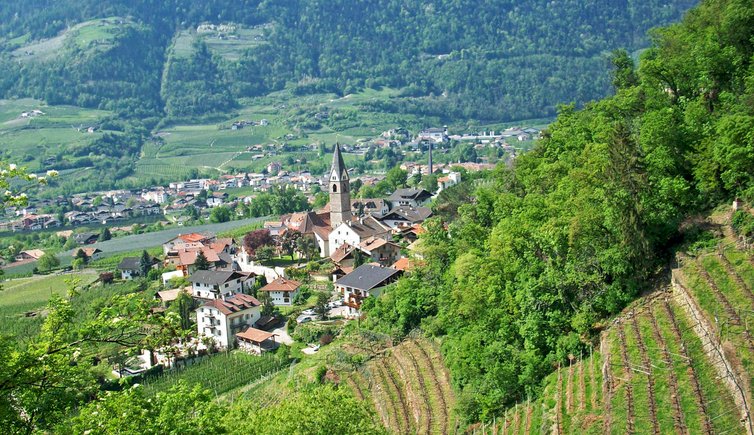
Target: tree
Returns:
[336, 411]
[201, 262]
[219, 214]
[183, 409]
[48, 262]
[81, 255]
[145, 263]
[256, 239]
[105, 235]
[396, 177]
[307, 247]
[183, 305]
[268, 307]
[624, 75]
[321, 306]
[265, 253]
[289, 242]
[70, 243]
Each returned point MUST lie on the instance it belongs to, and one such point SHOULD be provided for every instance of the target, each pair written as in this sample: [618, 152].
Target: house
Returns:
[256, 341]
[86, 238]
[90, 253]
[409, 197]
[374, 206]
[214, 284]
[402, 217]
[221, 319]
[183, 241]
[167, 297]
[365, 281]
[167, 276]
[450, 180]
[282, 291]
[380, 250]
[30, 255]
[130, 267]
[354, 232]
[405, 264]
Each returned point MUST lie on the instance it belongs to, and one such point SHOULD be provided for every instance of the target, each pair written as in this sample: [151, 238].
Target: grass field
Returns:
[229, 47]
[29, 141]
[85, 35]
[30, 295]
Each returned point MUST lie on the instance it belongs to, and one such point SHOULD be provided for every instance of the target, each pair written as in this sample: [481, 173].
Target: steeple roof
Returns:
[338, 171]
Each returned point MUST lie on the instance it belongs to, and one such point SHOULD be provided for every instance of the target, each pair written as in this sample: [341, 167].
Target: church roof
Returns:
[338, 165]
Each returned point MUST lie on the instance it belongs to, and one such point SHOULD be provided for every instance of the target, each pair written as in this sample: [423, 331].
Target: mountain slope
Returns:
[490, 60]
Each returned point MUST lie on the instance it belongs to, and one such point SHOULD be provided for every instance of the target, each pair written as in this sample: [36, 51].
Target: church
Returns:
[331, 229]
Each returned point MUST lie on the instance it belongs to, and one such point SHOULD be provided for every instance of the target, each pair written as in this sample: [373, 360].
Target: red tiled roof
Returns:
[281, 285]
[234, 304]
[193, 237]
[255, 335]
[187, 257]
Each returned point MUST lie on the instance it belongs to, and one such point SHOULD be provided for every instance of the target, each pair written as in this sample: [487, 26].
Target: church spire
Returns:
[340, 196]
[338, 171]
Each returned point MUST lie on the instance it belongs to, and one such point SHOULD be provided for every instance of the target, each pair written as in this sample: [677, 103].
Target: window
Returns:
[335, 188]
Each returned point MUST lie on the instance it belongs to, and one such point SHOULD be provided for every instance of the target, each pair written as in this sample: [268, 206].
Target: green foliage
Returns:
[48, 262]
[336, 411]
[574, 231]
[220, 214]
[183, 409]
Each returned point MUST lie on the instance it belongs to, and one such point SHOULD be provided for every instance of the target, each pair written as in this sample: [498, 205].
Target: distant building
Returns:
[435, 135]
[409, 197]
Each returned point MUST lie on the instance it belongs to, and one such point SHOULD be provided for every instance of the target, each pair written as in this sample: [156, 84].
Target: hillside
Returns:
[675, 361]
[527, 58]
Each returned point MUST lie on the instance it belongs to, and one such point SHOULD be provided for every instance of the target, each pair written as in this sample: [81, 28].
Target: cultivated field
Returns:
[220, 373]
[409, 387]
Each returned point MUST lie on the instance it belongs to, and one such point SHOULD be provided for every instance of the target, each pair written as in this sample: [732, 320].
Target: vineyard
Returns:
[220, 373]
[409, 388]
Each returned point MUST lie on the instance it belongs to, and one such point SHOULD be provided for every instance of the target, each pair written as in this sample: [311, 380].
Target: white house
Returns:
[130, 267]
[221, 319]
[354, 232]
[365, 281]
[282, 291]
[218, 284]
[409, 197]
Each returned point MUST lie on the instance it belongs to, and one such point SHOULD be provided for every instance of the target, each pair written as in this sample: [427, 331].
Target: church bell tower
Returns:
[340, 195]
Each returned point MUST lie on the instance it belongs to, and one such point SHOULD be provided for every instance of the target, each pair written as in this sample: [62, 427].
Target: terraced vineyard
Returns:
[409, 388]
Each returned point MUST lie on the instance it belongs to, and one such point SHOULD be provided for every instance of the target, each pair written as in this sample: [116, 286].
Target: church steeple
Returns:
[340, 196]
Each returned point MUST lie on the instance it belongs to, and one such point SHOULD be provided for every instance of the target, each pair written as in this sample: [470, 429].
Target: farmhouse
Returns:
[354, 232]
[30, 255]
[282, 291]
[221, 319]
[211, 284]
[89, 253]
[130, 267]
[366, 280]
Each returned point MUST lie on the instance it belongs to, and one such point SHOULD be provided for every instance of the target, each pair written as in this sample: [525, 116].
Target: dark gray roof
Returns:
[338, 165]
[409, 194]
[214, 277]
[130, 263]
[410, 214]
[367, 277]
[134, 263]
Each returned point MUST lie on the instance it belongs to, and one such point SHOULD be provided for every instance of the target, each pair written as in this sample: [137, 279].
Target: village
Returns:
[344, 253]
[182, 201]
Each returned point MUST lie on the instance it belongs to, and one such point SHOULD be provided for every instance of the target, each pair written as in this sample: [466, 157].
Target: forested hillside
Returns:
[528, 272]
[489, 60]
